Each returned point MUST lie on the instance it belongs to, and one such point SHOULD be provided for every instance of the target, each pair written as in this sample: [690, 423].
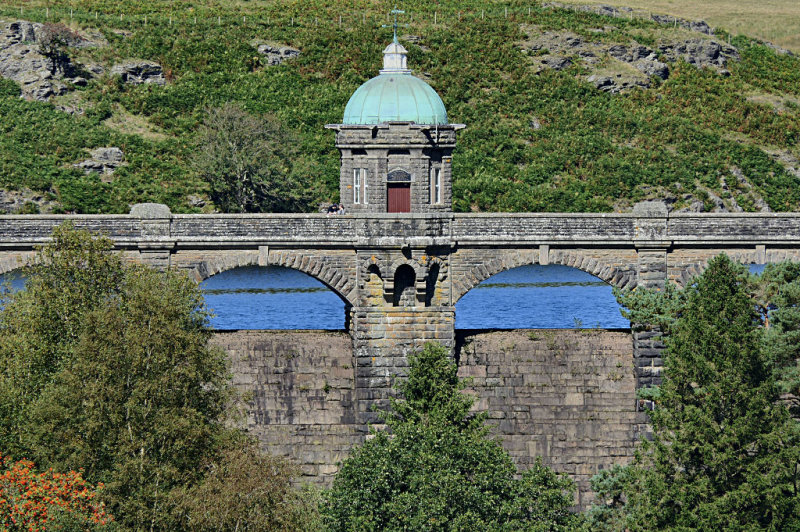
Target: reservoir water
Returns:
[529, 297]
[526, 297]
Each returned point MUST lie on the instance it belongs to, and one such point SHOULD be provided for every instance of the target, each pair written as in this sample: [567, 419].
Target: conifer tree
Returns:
[439, 470]
[724, 453]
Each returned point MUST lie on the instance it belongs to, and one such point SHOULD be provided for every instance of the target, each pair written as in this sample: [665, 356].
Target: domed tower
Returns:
[396, 143]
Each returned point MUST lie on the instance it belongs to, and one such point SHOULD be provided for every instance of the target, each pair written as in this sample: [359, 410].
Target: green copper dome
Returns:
[395, 96]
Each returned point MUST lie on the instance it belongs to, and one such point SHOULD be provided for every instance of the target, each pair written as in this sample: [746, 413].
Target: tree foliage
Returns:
[250, 163]
[725, 453]
[106, 367]
[47, 501]
[438, 470]
[54, 40]
[244, 489]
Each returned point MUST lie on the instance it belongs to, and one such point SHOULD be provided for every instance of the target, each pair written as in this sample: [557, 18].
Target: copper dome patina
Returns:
[395, 95]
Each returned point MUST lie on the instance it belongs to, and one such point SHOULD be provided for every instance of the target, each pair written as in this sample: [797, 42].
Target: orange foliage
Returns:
[30, 501]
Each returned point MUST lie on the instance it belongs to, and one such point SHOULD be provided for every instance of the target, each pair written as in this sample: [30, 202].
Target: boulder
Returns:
[277, 54]
[103, 161]
[139, 72]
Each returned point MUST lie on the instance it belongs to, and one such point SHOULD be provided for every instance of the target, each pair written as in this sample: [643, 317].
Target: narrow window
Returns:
[356, 185]
[364, 184]
[436, 185]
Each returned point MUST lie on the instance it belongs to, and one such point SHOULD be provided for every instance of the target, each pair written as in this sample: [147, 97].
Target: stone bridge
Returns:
[400, 275]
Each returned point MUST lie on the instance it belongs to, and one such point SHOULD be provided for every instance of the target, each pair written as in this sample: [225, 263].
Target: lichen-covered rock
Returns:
[139, 72]
[277, 54]
[103, 161]
[21, 60]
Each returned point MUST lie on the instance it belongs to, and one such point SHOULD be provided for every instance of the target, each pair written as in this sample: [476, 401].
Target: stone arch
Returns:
[514, 259]
[337, 281]
[10, 263]
[690, 271]
[374, 286]
[404, 289]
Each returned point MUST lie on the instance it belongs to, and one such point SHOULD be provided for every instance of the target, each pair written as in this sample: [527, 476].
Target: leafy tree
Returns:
[54, 39]
[244, 489]
[725, 453]
[251, 163]
[438, 470]
[36, 502]
[779, 298]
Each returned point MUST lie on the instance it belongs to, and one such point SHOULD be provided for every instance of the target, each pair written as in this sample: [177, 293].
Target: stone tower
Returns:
[396, 143]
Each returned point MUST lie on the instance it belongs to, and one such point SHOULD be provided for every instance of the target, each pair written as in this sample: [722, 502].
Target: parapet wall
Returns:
[565, 395]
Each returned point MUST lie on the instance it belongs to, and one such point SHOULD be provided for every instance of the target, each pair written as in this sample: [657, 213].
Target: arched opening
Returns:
[540, 297]
[430, 284]
[405, 281]
[272, 297]
[12, 281]
[374, 286]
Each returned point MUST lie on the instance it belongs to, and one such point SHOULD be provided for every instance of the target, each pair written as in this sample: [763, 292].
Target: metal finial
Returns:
[394, 26]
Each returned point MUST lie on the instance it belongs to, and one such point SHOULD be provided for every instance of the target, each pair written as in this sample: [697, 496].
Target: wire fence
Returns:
[124, 19]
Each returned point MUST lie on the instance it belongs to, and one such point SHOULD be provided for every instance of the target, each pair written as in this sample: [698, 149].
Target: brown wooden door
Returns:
[398, 197]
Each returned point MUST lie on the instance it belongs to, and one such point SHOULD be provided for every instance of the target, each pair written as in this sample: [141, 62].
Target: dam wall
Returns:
[565, 395]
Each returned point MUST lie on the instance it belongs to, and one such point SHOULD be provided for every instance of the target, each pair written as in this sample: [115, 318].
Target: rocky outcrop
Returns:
[139, 72]
[21, 61]
[701, 53]
[276, 54]
[104, 161]
[621, 66]
[25, 201]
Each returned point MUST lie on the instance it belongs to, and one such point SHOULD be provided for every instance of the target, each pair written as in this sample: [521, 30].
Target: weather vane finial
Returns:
[394, 26]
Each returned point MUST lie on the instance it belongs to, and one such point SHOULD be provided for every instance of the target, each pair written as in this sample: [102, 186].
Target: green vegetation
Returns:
[439, 470]
[725, 453]
[105, 367]
[593, 152]
[250, 164]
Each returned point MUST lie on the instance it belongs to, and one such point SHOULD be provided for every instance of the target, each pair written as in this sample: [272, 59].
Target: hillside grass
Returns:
[594, 151]
[776, 21]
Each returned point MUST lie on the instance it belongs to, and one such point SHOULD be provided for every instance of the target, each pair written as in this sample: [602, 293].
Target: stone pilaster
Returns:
[383, 338]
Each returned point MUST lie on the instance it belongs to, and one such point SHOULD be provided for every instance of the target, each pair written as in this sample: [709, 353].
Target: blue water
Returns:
[525, 297]
[529, 297]
[540, 297]
[271, 298]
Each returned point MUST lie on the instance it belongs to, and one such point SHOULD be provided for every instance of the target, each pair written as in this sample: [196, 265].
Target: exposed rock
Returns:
[750, 192]
[103, 161]
[622, 66]
[21, 61]
[276, 54]
[139, 72]
[556, 62]
[536, 124]
[24, 201]
[652, 68]
[700, 52]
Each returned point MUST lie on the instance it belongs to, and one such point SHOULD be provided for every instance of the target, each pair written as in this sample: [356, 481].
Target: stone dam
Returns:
[564, 395]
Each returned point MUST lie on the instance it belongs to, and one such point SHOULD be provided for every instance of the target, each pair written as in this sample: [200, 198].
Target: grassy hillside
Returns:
[777, 21]
[547, 141]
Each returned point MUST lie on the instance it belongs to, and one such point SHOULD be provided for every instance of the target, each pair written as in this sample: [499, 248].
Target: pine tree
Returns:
[724, 453]
[439, 470]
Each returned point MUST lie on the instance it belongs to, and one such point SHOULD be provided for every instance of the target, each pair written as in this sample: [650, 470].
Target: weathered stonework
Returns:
[563, 395]
[418, 265]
